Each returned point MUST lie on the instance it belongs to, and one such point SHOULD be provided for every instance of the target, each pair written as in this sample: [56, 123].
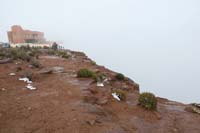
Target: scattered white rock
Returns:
[100, 84]
[3, 89]
[12, 74]
[25, 80]
[116, 96]
[105, 80]
[30, 87]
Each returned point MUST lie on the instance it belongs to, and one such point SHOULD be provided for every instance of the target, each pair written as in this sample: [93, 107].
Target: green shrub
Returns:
[120, 76]
[85, 73]
[148, 101]
[12, 53]
[35, 63]
[93, 63]
[18, 53]
[121, 94]
[21, 54]
[63, 54]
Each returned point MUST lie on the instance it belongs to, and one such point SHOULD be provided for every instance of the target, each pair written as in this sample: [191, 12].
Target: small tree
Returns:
[55, 46]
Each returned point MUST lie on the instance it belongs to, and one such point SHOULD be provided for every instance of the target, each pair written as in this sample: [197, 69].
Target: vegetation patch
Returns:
[85, 73]
[120, 76]
[148, 101]
[63, 54]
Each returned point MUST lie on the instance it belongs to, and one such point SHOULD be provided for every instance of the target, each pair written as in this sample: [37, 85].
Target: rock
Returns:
[4, 61]
[52, 70]
[193, 108]
[90, 122]
[12, 74]
[46, 71]
[57, 69]
[3, 89]
[100, 84]
[30, 87]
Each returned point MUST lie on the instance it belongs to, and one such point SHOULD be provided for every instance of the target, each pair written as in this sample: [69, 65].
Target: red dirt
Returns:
[58, 103]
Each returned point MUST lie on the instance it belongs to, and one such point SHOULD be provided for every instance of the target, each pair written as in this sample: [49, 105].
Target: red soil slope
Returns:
[57, 106]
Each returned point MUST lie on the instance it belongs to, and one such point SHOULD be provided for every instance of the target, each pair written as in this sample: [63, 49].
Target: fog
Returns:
[154, 42]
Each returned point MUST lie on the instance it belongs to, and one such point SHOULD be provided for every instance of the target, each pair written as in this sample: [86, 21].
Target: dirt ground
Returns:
[57, 105]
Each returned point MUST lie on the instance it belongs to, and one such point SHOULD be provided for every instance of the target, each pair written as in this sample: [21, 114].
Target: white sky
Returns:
[154, 42]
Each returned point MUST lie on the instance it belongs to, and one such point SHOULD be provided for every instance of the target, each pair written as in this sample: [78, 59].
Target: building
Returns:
[19, 35]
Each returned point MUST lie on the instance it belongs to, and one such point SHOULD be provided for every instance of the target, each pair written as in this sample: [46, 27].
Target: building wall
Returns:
[18, 35]
[31, 45]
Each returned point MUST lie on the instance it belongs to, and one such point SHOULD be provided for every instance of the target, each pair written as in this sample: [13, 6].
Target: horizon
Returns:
[155, 43]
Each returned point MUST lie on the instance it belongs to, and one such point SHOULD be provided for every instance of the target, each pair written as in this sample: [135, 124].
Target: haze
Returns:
[154, 42]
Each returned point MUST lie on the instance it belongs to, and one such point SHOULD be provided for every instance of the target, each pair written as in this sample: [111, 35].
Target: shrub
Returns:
[121, 94]
[17, 53]
[93, 63]
[21, 54]
[100, 77]
[35, 63]
[12, 53]
[148, 101]
[63, 54]
[120, 76]
[51, 52]
[85, 73]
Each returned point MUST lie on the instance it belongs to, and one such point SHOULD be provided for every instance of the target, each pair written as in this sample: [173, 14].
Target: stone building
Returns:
[19, 35]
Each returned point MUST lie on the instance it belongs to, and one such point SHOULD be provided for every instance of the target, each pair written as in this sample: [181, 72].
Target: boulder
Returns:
[4, 61]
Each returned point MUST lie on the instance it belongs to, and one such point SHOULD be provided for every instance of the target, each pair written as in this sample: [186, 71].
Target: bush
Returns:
[85, 73]
[121, 94]
[93, 63]
[51, 52]
[35, 63]
[148, 101]
[120, 76]
[100, 77]
[21, 54]
[63, 54]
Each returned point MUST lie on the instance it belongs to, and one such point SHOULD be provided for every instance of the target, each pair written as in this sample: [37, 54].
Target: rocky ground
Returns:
[63, 103]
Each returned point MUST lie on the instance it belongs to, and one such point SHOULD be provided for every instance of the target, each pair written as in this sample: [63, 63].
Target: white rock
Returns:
[116, 96]
[3, 89]
[30, 87]
[105, 80]
[100, 84]
[12, 74]
[25, 80]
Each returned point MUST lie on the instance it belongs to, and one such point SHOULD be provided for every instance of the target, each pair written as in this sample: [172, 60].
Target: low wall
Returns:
[30, 45]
